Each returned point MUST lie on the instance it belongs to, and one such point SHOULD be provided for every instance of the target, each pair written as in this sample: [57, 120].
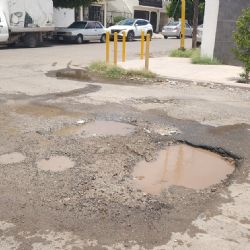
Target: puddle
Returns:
[55, 164]
[43, 110]
[107, 128]
[97, 128]
[181, 165]
[68, 73]
[12, 158]
[71, 130]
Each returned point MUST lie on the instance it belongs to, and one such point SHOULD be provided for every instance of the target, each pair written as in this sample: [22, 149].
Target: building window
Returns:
[96, 13]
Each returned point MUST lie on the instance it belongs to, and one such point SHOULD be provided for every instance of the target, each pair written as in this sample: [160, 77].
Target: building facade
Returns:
[106, 12]
[152, 10]
[219, 24]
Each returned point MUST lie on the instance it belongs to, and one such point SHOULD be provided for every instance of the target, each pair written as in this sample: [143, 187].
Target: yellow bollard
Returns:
[107, 47]
[183, 24]
[142, 45]
[147, 52]
[115, 47]
[123, 46]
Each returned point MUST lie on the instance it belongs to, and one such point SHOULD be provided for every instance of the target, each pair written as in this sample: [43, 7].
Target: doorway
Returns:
[153, 20]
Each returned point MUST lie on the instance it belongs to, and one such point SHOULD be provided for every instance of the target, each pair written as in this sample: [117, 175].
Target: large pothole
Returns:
[97, 128]
[182, 165]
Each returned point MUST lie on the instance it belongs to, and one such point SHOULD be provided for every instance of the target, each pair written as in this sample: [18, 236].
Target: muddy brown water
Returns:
[98, 128]
[11, 158]
[55, 164]
[43, 110]
[181, 165]
[107, 128]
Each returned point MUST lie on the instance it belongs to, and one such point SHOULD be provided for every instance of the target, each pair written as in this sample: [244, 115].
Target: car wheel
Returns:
[79, 39]
[103, 38]
[166, 37]
[178, 37]
[130, 36]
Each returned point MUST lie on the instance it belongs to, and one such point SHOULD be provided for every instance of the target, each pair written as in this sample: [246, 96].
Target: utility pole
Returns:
[183, 23]
[195, 23]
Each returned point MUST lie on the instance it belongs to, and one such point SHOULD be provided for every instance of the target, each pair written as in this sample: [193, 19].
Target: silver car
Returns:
[82, 31]
[173, 29]
[199, 34]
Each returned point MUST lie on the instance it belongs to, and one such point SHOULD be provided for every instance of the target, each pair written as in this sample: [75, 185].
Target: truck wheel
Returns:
[130, 36]
[79, 39]
[30, 40]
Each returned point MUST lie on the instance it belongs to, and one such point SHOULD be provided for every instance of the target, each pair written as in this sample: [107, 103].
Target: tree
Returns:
[242, 42]
[174, 10]
[195, 23]
[71, 3]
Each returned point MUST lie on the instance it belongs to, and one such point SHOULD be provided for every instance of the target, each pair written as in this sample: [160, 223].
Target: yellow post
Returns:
[123, 46]
[142, 45]
[115, 47]
[147, 52]
[183, 22]
[107, 47]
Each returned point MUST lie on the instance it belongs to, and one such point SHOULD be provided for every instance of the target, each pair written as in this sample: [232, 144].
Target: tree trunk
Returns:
[195, 23]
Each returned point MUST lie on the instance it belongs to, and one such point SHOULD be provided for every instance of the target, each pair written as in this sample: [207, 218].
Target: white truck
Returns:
[27, 21]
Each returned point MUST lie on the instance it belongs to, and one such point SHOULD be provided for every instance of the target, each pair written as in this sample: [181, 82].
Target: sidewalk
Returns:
[182, 69]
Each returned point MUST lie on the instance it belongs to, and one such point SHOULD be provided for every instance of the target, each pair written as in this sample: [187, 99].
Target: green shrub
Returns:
[182, 53]
[116, 72]
[198, 59]
[242, 42]
[117, 19]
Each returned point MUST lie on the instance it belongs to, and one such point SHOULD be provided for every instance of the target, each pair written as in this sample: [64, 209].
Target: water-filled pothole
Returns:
[98, 128]
[55, 164]
[12, 158]
[107, 128]
[181, 165]
[43, 111]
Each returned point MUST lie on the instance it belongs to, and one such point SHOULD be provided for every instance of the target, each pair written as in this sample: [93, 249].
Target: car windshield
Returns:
[126, 22]
[78, 25]
[173, 24]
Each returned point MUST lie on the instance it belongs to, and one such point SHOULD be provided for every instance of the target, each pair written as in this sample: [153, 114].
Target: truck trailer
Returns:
[27, 21]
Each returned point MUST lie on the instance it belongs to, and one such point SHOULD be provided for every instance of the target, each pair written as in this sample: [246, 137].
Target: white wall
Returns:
[63, 17]
[210, 27]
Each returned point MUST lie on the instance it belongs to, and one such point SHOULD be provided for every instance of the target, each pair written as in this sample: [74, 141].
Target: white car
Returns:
[82, 31]
[132, 28]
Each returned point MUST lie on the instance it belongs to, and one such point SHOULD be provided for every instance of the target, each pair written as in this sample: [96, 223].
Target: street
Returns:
[99, 132]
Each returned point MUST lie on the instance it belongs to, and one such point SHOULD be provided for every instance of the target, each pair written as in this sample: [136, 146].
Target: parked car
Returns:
[82, 31]
[199, 34]
[132, 28]
[173, 29]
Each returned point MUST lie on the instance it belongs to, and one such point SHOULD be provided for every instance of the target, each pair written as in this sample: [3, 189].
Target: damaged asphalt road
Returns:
[95, 204]
[65, 187]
